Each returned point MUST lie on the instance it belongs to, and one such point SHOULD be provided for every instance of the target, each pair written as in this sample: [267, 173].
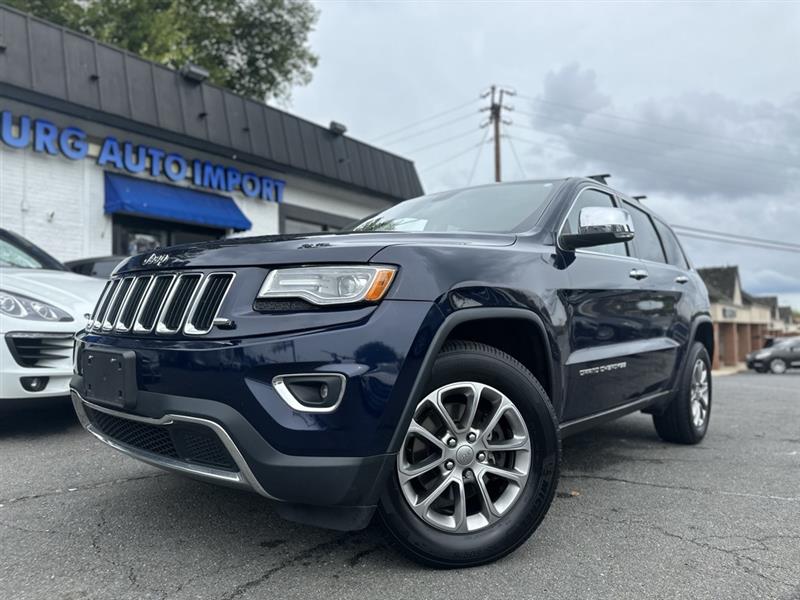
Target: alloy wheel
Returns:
[778, 366]
[465, 458]
[699, 394]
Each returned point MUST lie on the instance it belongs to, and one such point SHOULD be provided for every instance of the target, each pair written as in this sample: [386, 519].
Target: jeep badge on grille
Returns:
[156, 260]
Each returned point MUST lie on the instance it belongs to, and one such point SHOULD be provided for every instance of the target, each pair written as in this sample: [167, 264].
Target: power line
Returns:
[429, 129]
[669, 174]
[644, 122]
[440, 142]
[737, 242]
[734, 237]
[722, 169]
[478, 156]
[516, 156]
[425, 120]
[658, 142]
[452, 158]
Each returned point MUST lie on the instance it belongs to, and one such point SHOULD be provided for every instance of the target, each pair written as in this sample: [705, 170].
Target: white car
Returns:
[42, 306]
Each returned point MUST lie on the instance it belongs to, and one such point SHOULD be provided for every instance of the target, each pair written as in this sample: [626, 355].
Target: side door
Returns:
[606, 326]
[794, 356]
[663, 303]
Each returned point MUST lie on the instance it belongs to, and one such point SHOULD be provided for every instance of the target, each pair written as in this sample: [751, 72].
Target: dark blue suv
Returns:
[425, 364]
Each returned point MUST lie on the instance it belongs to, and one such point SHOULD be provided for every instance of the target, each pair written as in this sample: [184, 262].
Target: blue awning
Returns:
[132, 196]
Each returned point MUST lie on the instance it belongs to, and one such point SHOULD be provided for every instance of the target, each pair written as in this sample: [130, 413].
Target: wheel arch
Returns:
[476, 324]
[703, 332]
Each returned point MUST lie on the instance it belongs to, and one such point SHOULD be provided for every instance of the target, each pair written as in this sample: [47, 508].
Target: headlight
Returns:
[762, 354]
[330, 284]
[22, 307]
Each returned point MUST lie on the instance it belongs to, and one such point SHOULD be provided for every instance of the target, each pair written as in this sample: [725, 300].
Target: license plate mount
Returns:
[109, 377]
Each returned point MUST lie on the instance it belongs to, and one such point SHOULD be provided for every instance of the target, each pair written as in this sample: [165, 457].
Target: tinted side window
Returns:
[645, 239]
[671, 247]
[586, 198]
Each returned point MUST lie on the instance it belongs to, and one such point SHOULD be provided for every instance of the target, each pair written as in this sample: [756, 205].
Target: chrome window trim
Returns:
[243, 479]
[188, 328]
[652, 218]
[286, 395]
[137, 327]
[161, 328]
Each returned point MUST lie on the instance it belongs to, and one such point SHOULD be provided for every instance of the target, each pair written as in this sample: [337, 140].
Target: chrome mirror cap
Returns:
[597, 226]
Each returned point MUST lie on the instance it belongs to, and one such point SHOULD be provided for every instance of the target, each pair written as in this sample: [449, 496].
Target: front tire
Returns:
[685, 420]
[777, 366]
[478, 467]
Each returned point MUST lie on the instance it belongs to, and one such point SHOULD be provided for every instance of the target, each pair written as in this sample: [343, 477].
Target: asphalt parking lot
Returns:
[635, 518]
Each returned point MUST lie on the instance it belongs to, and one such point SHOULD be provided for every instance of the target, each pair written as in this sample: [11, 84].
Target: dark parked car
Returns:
[424, 364]
[100, 266]
[779, 357]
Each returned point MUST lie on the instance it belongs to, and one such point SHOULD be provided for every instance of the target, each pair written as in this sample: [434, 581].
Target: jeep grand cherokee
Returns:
[424, 365]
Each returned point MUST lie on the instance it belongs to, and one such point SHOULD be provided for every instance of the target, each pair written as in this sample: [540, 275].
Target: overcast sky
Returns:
[695, 105]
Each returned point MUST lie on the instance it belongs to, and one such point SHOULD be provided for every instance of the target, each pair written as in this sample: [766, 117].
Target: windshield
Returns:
[17, 252]
[503, 208]
[785, 343]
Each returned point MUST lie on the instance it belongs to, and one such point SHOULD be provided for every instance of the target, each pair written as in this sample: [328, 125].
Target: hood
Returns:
[76, 294]
[299, 249]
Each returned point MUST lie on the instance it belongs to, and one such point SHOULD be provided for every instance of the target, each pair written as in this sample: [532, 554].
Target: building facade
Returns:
[102, 152]
[742, 322]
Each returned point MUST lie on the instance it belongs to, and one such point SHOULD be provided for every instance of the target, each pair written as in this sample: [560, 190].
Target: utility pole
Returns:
[495, 108]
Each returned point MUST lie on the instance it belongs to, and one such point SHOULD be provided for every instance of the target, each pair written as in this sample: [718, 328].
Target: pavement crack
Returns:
[743, 561]
[699, 490]
[305, 554]
[77, 488]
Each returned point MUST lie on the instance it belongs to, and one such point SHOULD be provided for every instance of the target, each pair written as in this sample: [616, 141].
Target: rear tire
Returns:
[685, 421]
[493, 499]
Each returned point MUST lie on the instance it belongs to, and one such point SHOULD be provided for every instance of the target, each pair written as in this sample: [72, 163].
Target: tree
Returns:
[258, 48]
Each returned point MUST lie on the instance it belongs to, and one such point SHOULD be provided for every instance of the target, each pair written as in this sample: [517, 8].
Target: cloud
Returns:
[693, 143]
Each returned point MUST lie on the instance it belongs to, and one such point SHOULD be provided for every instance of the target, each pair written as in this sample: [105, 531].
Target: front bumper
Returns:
[56, 348]
[324, 469]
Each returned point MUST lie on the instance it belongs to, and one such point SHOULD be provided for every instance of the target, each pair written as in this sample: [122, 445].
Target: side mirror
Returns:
[597, 226]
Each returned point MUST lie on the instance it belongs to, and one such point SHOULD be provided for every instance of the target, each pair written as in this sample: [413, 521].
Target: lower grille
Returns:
[41, 350]
[190, 443]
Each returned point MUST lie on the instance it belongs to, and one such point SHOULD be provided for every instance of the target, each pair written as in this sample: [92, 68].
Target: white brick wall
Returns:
[54, 202]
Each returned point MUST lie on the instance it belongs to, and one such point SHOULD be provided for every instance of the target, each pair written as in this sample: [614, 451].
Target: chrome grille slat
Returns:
[207, 302]
[104, 302]
[105, 323]
[161, 303]
[118, 304]
[153, 303]
[180, 297]
[132, 303]
[93, 318]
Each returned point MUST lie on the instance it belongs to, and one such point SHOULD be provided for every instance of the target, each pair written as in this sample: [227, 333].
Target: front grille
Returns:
[194, 444]
[41, 350]
[164, 304]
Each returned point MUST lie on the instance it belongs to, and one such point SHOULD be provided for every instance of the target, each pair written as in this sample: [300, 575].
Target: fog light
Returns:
[34, 384]
[311, 392]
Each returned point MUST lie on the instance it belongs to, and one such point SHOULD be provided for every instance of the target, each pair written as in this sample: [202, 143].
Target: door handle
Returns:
[638, 274]
[681, 279]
